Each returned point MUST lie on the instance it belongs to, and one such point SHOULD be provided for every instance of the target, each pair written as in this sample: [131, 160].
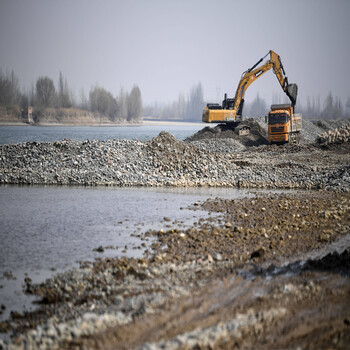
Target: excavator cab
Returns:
[228, 103]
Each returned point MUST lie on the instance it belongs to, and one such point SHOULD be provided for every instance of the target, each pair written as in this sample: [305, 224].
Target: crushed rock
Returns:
[325, 125]
[257, 137]
[336, 136]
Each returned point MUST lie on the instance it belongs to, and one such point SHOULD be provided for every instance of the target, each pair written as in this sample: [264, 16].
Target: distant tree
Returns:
[195, 103]
[328, 107]
[332, 108]
[189, 108]
[347, 107]
[84, 104]
[10, 93]
[65, 96]
[5, 91]
[338, 108]
[45, 92]
[181, 106]
[134, 105]
[103, 102]
[24, 100]
[31, 95]
[15, 89]
[122, 105]
[257, 107]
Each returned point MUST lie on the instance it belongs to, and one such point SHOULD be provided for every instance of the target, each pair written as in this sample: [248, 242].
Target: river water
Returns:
[17, 134]
[44, 230]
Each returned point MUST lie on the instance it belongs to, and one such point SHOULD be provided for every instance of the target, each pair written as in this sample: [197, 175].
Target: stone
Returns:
[259, 253]
[100, 249]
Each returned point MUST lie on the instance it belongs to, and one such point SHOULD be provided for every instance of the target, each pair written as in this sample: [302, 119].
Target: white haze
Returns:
[166, 47]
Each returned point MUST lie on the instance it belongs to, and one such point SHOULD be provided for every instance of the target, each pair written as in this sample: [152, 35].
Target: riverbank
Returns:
[59, 117]
[224, 283]
[105, 124]
[170, 123]
[268, 271]
[166, 161]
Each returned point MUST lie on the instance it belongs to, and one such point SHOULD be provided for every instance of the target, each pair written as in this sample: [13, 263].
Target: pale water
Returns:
[18, 134]
[52, 228]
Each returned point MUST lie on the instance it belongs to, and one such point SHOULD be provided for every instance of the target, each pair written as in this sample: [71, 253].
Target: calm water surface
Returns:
[52, 228]
[17, 134]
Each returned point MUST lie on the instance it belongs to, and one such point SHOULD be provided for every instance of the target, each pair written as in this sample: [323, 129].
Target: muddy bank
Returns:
[244, 277]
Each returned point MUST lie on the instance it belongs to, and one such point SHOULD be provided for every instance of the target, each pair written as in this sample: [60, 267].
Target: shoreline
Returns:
[169, 298]
[144, 123]
[248, 275]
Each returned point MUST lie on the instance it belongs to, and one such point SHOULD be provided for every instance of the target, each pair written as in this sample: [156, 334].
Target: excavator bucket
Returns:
[292, 93]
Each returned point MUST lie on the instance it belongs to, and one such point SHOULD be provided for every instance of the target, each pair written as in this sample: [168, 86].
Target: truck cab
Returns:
[283, 125]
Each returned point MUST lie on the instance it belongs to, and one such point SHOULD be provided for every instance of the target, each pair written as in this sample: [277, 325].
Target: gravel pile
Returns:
[326, 125]
[261, 121]
[336, 136]
[163, 161]
[309, 132]
[256, 137]
[82, 302]
[228, 145]
[166, 161]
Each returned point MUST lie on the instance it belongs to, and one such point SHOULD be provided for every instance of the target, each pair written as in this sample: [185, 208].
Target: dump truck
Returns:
[284, 126]
[231, 109]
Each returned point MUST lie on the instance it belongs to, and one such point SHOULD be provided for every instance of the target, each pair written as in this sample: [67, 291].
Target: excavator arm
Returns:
[249, 76]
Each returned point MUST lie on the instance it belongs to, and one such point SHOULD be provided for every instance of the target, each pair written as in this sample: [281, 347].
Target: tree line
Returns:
[191, 108]
[330, 108]
[127, 106]
[187, 108]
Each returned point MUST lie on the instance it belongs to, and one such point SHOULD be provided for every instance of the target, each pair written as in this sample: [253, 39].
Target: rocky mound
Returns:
[173, 158]
[166, 161]
[257, 135]
[325, 125]
[336, 136]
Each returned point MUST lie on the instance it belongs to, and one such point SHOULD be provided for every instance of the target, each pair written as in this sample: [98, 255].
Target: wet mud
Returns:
[245, 277]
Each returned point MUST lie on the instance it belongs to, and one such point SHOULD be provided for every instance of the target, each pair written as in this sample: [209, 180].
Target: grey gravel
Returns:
[127, 298]
[166, 161]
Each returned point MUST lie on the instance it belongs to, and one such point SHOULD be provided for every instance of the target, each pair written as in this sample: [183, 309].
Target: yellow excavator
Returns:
[230, 111]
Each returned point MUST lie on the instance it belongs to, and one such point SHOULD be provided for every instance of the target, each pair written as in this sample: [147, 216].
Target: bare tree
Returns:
[103, 102]
[195, 103]
[9, 89]
[45, 92]
[134, 103]
[83, 100]
[122, 105]
[347, 107]
[65, 96]
[257, 107]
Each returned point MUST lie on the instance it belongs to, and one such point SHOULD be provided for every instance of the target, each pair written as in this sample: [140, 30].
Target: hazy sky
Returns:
[167, 46]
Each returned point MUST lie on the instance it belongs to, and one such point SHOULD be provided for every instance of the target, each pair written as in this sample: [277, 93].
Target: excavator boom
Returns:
[249, 76]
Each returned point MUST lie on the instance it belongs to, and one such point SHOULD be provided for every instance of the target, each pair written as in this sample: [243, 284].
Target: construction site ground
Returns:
[267, 271]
